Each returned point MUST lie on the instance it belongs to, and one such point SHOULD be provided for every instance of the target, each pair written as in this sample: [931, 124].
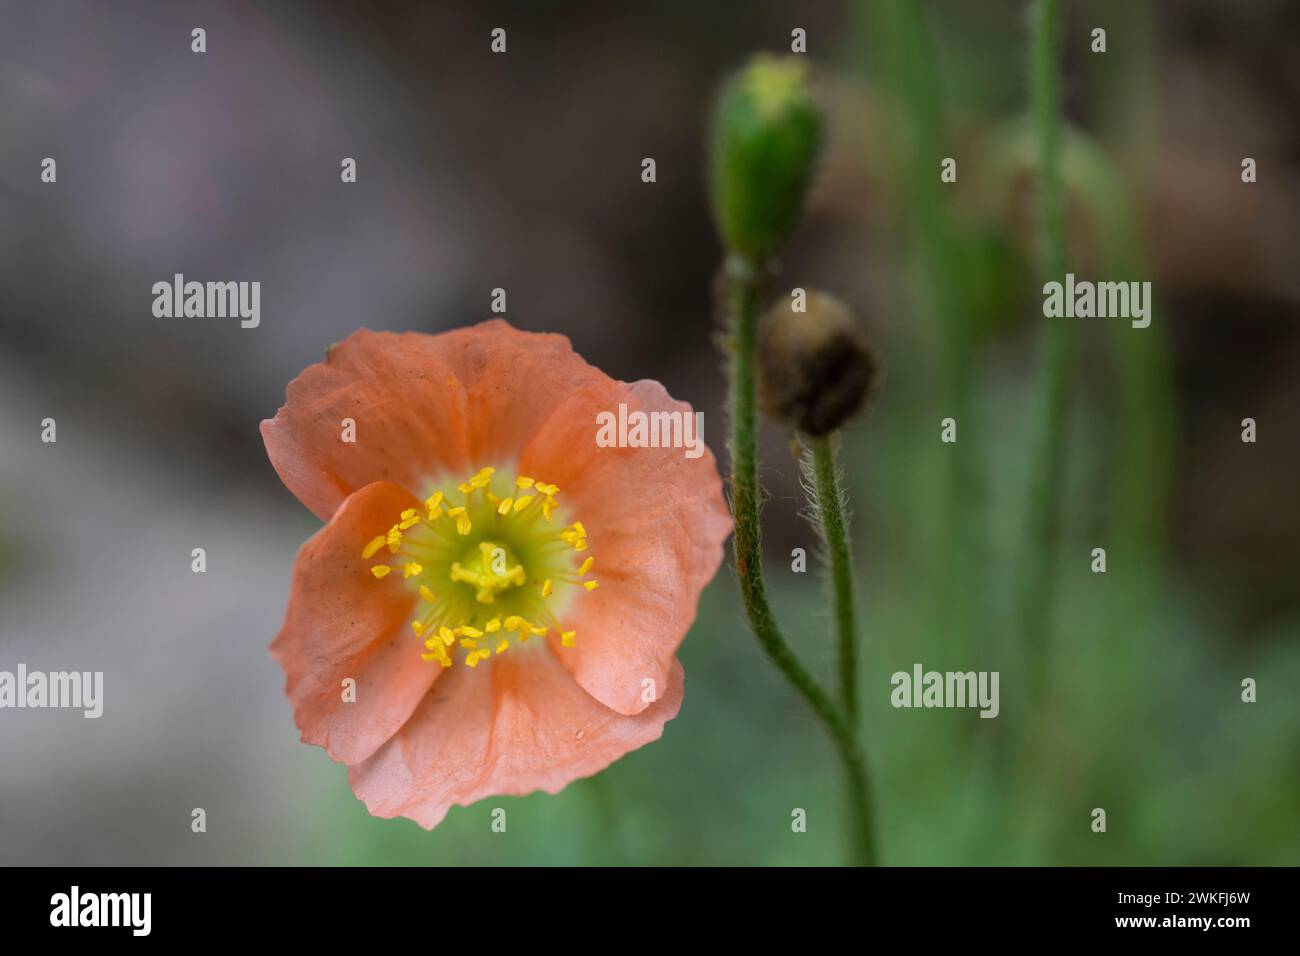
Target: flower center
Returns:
[489, 568]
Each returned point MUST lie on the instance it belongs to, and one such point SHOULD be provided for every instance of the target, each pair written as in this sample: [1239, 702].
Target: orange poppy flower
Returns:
[506, 596]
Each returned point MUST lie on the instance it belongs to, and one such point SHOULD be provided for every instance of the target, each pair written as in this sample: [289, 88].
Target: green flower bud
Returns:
[766, 137]
[815, 368]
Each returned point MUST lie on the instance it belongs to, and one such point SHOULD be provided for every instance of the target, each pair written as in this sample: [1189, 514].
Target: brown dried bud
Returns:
[815, 368]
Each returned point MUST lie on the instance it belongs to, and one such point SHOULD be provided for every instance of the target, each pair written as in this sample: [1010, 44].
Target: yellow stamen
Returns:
[496, 568]
[463, 525]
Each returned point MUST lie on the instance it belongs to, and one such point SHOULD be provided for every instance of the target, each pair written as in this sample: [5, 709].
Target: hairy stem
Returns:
[747, 545]
[829, 500]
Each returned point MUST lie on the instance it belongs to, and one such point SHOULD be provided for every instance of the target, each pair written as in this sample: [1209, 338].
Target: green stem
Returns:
[1053, 387]
[940, 295]
[830, 512]
[747, 546]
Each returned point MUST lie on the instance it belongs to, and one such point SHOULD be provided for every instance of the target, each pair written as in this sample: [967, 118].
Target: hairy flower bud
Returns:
[815, 368]
[766, 138]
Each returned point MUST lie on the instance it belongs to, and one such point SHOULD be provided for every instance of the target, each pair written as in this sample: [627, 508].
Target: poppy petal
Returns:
[342, 623]
[515, 725]
[656, 522]
[424, 407]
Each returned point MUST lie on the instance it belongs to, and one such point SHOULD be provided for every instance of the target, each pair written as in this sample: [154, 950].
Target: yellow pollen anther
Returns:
[591, 585]
[473, 632]
[503, 509]
[503, 646]
[411, 569]
[463, 525]
[426, 593]
[417, 627]
[546, 588]
[447, 635]
[380, 570]
[493, 625]
[394, 539]
[523, 482]
[567, 638]
[375, 544]
[522, 502]
[586, 566]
